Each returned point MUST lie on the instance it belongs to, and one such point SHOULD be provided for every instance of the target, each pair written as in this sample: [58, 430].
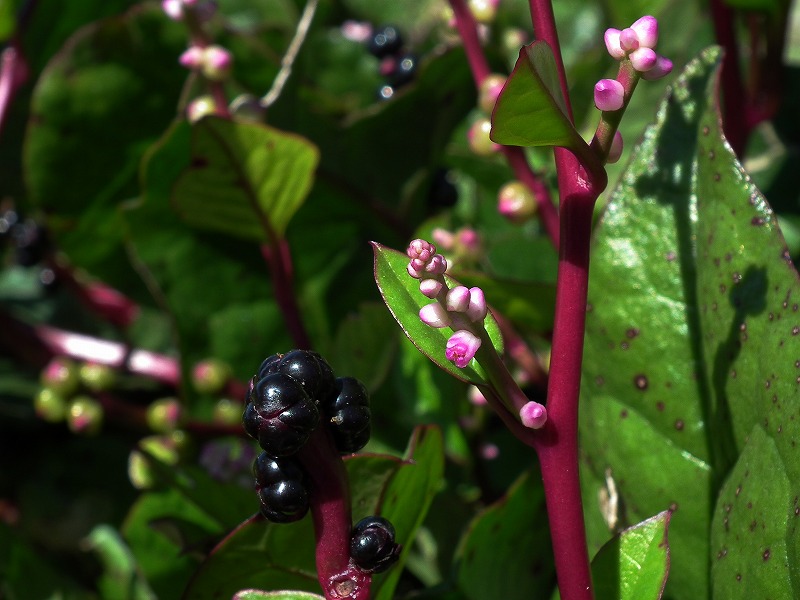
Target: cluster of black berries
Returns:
[288, 398]
[397, 66]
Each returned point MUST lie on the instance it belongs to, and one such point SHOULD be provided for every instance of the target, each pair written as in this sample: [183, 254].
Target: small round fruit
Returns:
[348, 415]
[478, 138]
[484, 11]
[61, 376]
[85, 416]
[164, 415]
[50, 405]
[516, 203]
[97, 377]
[281, 488]
[281, 416]
[166, 449]
[385, 41]
[311, 371]
[372, 545]
[489, 92]
[227, 412]
[210, 376]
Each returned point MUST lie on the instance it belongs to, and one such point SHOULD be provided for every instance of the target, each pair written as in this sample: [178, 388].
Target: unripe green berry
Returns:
[85, 416]
[50, 405]
[210, 376]
[515, 202]
[167, 449]
[228, 412]
[164, 415]
[200, 107]
[478, 137]
[61, 376]
[484, 11]
[97, 377]
[489, 91]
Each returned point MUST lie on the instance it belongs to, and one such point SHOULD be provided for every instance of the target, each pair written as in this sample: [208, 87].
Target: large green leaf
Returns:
[506, 551]
[634, 564]
[644, 403]
[288, 595]
[748, 295]
[103, 99]
[531, 110]
[121, 577]
[243, 179]
[402, 296]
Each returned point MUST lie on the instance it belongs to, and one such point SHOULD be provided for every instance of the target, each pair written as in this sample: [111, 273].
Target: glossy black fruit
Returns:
[280, 415]
[404, 71]
[281, 488]
[385, 41]
[307, 368]
[372, 545]
[348, 415]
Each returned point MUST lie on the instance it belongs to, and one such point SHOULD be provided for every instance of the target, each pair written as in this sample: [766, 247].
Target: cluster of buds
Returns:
[460, 308]
[462, 246]
[637, 43]
[213, 61]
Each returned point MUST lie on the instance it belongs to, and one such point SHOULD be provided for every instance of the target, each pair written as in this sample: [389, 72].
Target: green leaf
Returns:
[634, 565]
[103, 99]
[402, 296]
[243, 179]
[506, 550]
[407, 497]
[531, 110]
[287, 595]
[641, 386]
[771, 6]
[120, 578]
[748, 294]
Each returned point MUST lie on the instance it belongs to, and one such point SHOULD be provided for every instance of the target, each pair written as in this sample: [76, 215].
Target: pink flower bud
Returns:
[200, 107]
[489, 92]
[533, 415]
[434, 315]
[477, 309]
[458, 299]
[615, 151]
[476, 397]
[414, 272]
[421, 249]
[444, 238]
[515, 202]
[437, 265]
[192, 57]
[173, 9]
[663, 67]
[461, 348]
[611, 38]
[643, 59]
[609, 95]
[646, 29]
[469, 240]
[430, 287]
[356, 31]
[217, 62]
[628, 40]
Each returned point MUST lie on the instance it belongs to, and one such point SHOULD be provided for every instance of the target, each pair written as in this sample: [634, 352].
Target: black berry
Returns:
[307, 368]
[385, 41]
[280, 415]
[348, 415]
[372, 545]
[404, 70]
[281, 488]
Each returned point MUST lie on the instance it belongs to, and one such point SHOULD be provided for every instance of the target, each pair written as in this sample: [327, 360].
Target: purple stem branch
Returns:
[330, 510]
[279, 259]
[468, 31]
[13, 73]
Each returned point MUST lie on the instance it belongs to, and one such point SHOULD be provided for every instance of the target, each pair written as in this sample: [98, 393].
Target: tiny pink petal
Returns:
[477, 305]
[628, 40]
[461, 348]
[437, 265]
[646, 29]
[615, 152]
[414, 272]
[421, 249]
[430, 287]
[434, 315]
[533, 415]
[611, 38]
[218, 58]
[173, 9]
[643, 59]
[609, 95]
[458, 299]
[663, 67]
[476, 397]
[192, 57]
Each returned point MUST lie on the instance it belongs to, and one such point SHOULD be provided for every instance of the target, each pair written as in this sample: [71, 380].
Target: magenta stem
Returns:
[468, 31]
[13, 73]
[279, 259]
[331, 513]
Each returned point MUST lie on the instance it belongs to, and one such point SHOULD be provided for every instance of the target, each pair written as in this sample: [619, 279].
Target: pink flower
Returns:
[609, 95]
[628, 40]
[662, 67]
[421, 249]
[646, 29]
[437, 265]
[458, 299]
[435, 315]
[612, 40]
[461, 348]
[477, 305]
[643, 59]
[533, 415]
